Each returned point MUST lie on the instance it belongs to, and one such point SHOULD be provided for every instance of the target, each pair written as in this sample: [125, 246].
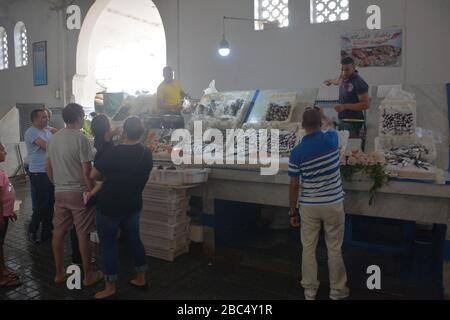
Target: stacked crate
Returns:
[164, 221]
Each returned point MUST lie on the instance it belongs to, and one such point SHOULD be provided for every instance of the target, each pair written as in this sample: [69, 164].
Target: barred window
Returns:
[21, 44]
[271, 10]
[323, 11]
[4, 62]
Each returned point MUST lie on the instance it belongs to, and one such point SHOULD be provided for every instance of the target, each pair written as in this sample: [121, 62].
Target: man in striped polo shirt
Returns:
[316, 161]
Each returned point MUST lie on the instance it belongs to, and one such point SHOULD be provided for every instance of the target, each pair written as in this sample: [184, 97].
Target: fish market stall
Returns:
[415, 149]
[416, 152]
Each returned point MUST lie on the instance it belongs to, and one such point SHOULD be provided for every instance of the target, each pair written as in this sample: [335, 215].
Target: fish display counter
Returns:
[418, 188]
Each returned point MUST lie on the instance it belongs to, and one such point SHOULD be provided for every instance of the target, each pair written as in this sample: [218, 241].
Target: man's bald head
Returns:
[168, 74]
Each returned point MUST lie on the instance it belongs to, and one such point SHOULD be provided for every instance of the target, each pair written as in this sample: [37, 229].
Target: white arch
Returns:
[82, 93]
[84, 39]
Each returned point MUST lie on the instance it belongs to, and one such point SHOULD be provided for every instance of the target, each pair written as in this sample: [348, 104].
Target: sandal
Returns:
[11, 274]
[11, 283]
[114, 296]
[63, 281]
[99, 276]
[140, 287]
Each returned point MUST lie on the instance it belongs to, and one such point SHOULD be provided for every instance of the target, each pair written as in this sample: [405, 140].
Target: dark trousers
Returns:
[76, 255]
[43, 198]
[33, 193]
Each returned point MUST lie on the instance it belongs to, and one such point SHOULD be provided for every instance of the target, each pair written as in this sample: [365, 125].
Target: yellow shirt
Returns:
[170, 93]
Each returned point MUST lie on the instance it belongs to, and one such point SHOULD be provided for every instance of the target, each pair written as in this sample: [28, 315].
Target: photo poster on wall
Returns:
[374, 48]
[40, 63]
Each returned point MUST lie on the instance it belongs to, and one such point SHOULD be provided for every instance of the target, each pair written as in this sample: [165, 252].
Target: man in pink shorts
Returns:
[68, 166]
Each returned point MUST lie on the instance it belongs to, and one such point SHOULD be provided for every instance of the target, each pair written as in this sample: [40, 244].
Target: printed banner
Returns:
[375, 48]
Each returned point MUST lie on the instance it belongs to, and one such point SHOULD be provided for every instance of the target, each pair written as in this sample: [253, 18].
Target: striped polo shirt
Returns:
[316, 160]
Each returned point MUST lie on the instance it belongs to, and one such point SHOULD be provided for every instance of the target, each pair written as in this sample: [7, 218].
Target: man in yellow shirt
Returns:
[170, 94]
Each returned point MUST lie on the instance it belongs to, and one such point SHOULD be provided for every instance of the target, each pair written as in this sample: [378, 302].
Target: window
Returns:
[271, 10]
[323, 11]
[21, 44]
[4, 62]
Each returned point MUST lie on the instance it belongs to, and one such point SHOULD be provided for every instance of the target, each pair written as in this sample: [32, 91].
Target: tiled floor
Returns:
[267, 268]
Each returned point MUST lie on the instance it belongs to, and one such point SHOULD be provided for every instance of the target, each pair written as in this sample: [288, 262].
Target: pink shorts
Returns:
[70, 210]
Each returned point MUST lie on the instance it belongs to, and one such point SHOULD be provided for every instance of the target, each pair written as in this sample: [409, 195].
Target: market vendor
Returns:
[353, 98]
[170, 94]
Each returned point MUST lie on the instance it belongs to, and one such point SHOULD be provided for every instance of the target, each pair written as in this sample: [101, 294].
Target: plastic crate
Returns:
[167, 255]
[163, 192]
[152, 198]
[164, 230]
[167, 244]
[165, 218]
[170, 207]
[182, 210]
[180, 177]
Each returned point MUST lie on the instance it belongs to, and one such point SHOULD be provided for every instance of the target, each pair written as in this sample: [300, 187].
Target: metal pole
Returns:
[244, 19]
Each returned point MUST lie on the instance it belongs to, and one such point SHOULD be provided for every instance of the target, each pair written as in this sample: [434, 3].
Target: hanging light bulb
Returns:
[224, 47]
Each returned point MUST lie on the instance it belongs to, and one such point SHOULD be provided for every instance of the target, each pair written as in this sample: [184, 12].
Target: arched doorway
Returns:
[121, 47]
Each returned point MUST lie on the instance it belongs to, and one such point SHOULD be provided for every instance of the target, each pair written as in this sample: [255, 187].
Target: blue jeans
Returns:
[33, 192]
[108, 228]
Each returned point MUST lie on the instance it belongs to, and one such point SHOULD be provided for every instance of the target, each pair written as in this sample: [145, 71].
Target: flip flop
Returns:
[111, 297]
[99, 276]
[11, 274]
[62, 281]
[11, 283]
